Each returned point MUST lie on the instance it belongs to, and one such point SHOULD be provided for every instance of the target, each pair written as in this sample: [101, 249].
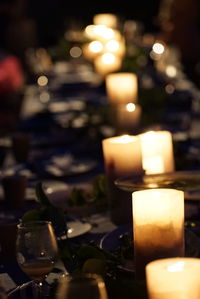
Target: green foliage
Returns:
[96, 197]
[46, 212]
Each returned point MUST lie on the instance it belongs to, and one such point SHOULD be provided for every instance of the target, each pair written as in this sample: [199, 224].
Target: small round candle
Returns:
[173, 278]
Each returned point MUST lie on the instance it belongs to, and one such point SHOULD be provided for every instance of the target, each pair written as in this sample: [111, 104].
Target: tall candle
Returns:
[173, 278]
[107, 19]
[158, 225]
[122, 88]
[107, 63]
[157, 152]
[122, 158]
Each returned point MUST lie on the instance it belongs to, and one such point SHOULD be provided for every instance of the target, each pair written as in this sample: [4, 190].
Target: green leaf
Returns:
[41, 196]
[94, 265]
[32, 215]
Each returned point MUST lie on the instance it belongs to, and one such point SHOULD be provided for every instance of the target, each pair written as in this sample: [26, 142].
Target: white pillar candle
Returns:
[107, 63]
[157, 152]
[158, 225]
[107, 19]
[173, 278]
[122, 158]
[122, 88]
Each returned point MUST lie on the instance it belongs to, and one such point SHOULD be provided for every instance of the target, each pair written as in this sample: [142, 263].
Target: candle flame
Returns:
[158, 48]
[123, 139]
[177, 267]
[130, 107]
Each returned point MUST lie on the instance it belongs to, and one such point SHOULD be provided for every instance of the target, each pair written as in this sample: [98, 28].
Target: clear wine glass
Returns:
[36, 250]
[87, 286]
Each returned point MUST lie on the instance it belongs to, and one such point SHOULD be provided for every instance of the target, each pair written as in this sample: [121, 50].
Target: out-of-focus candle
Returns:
[92, 49]
[122, 88]
[107, 19]
[157, 152]
[173, 278]
[107, 63]
[122, 158]
[116, 47]
[158, 225]
[128, 116]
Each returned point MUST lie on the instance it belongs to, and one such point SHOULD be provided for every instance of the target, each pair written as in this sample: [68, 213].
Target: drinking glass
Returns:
[87, 286]
[36, 249]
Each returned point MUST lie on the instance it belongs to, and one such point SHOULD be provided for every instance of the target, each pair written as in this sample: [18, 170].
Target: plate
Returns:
[110, 241]
[77, 228]
[66, 165]
[187, 181]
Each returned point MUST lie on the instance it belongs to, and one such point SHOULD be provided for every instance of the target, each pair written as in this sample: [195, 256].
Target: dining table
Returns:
[65, 121]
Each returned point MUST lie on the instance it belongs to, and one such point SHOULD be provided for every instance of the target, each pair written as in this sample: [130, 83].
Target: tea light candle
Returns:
[122, 88]
[128, 116]
[158, 225]
[173, 278]
[122, 156]
[157, 152]
[107, 63]
[107, 19]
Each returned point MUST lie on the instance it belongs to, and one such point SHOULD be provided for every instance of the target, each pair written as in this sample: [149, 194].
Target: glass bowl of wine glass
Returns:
[36, 251]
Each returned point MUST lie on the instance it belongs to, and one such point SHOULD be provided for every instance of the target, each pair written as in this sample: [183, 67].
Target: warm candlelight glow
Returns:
[109, 20]
[130, 107]
[128, 116]
[115, 46]
[107, 63]
[157, 152]
[92, 49]
[122, 87]
[99, 32]
[158, 48]
[122, 156]
[173, 278]
[158, 223]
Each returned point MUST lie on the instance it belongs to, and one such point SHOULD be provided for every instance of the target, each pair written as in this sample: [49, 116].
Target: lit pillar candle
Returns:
[122, 88]
[157, 152]
[173, 278]
[128, 117]
[158, 226]
[107, 19]
[107, 63]
[122, 158]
